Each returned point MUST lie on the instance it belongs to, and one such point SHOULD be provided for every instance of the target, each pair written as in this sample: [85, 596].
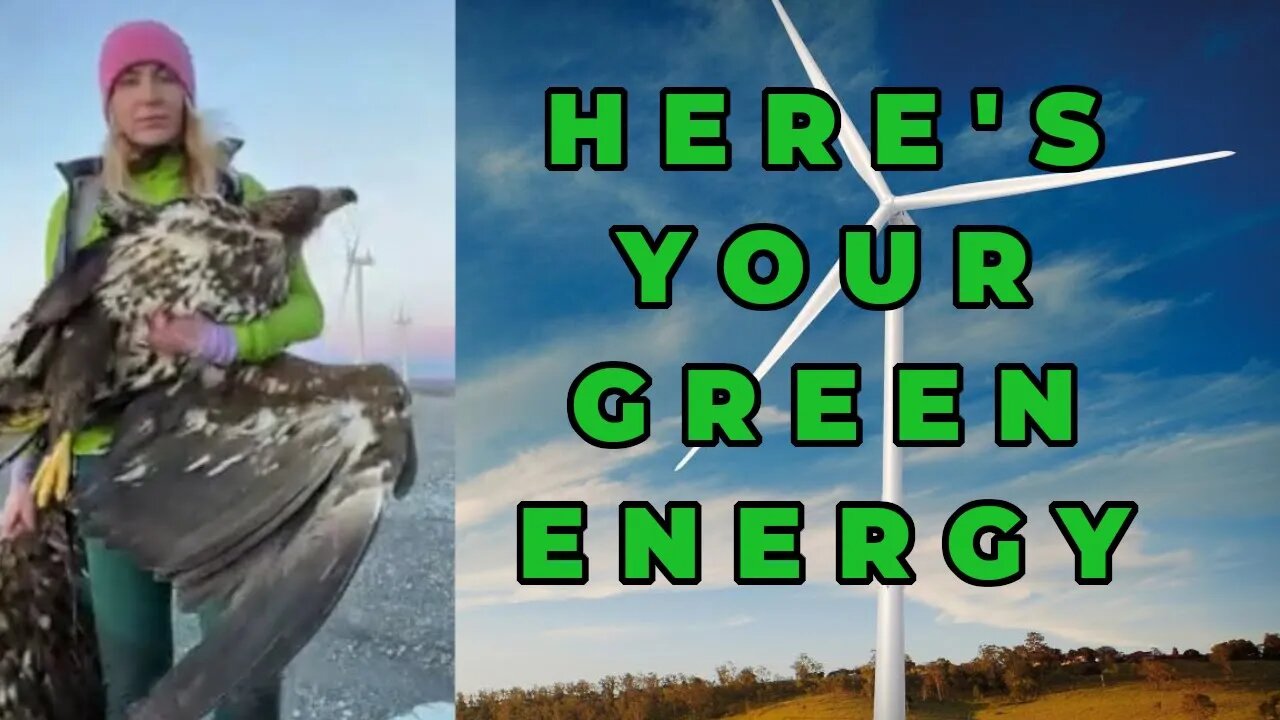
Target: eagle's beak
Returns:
[334, 198]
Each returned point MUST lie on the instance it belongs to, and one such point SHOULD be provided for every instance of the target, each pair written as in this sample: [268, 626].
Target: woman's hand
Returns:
[175, 335]
[19, 516]
[192, 335]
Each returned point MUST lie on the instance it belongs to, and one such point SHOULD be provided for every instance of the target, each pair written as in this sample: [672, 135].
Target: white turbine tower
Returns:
[403, 322]
[890, 688]
[356, 263]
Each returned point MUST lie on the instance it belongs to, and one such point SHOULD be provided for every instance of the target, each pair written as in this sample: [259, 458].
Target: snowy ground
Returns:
[388, 649]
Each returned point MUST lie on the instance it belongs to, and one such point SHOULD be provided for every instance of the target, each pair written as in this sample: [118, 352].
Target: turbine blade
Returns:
[687, 457]
[989, 189]
[353, 239]
[850, 139]
[826, 290]
[346, 288]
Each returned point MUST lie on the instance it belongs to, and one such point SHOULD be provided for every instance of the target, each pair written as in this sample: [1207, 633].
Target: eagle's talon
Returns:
[25, 420]
[52, 479]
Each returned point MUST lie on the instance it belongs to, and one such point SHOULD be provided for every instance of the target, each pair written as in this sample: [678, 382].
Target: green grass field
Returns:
[1125, 698]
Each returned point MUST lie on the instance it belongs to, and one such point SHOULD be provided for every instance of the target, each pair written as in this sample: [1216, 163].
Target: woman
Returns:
[156, 150]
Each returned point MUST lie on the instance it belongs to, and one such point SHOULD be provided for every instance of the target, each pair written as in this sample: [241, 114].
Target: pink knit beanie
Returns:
[144, 41]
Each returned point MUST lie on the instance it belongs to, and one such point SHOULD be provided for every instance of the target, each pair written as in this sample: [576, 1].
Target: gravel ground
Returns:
[388, 648]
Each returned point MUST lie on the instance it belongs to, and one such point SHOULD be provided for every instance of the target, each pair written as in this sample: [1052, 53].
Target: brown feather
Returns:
[260, 488]
[49, 667]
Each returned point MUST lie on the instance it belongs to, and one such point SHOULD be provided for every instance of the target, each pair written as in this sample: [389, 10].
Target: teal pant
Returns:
[133, 615]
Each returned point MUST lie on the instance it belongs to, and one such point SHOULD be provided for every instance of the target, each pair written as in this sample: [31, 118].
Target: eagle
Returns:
[258, 486]
[83, 342]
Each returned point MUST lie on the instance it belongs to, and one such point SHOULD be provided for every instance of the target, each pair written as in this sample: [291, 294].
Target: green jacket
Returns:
[301, 318]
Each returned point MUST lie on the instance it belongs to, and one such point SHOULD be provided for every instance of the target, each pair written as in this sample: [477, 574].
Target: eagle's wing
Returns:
[198, 475]
[259, 491]
[90, 269]
[64, 294]
[26, 343]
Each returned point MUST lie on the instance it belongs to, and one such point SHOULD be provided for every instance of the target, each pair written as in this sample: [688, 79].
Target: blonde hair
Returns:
[203, 157]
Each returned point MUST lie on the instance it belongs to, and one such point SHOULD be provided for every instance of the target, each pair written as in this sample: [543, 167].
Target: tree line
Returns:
[1021, 672]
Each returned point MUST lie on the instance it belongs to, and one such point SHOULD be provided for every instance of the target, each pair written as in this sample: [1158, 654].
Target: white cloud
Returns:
[1156, 458]
[511, 454]
[564, 468]
[772, 416]
[974, 447]
[525, 392]
[1225, 469]
[1220, 471]
[981, 153]
[1047, 597]
[517, 398]
[1077, 308]
[515, 181]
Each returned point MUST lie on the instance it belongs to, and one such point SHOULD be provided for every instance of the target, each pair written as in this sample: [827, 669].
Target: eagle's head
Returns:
[297, 212]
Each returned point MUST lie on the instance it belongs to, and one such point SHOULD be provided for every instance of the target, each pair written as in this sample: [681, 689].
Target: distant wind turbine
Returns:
[890, 687]
[403, 322]
[356, 263]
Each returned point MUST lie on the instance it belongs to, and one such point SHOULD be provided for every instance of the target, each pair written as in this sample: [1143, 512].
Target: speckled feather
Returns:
[192, 256]
[48, 669]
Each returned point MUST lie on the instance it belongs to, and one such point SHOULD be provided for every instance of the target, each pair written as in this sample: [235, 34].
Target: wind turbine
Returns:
[402, 321]
[356, 263]
[890, 688]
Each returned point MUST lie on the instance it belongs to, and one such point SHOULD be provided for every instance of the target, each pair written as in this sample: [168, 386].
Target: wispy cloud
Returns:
[985, 153]
[1078, 309]
[523, 394]
[1165, 471]
[568, 467]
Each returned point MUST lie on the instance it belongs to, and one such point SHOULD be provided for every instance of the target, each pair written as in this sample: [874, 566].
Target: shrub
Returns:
[1269, 709]
[1198, 706]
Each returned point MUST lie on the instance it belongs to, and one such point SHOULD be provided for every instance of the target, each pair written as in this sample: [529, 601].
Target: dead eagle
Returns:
[259, 486]
[84, 339]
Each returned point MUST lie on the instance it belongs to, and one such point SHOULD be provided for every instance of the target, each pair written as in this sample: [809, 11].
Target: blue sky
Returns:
[1158, 287]
[322, 92]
